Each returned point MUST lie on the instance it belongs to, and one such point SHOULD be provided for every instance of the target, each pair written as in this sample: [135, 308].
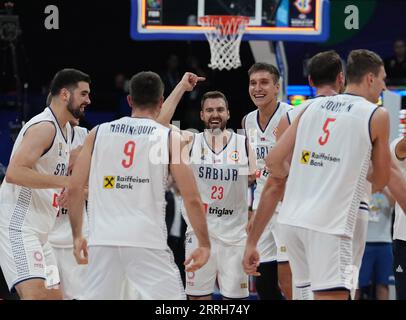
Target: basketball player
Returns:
[126, 163]
[327, 77]
[36, 175]
[219, 158]
[322, 66]
[326, 184]
[260, 127]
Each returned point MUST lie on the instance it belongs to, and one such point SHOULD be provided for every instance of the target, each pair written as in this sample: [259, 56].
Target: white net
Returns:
[224, 35]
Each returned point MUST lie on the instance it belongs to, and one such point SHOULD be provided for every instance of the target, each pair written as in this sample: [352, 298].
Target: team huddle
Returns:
[82, 214]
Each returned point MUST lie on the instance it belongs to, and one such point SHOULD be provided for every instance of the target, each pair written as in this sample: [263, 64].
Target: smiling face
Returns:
[79, 100]
[263, 88]
[215, 114]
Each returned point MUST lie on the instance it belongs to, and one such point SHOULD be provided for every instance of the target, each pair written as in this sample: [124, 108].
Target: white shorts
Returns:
[225, 265]
[281, 248]
[360, 237]
[323, 260]
[23, 256]
[72, 274]
[359, 240]
[151, 272]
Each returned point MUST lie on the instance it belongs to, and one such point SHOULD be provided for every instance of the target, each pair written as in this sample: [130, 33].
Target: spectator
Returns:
[395, 66]
[172, 75]
[376, 268]
[120, 94]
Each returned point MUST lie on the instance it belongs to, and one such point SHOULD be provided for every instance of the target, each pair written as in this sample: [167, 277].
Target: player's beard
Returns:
[216, 129]
[76, 113]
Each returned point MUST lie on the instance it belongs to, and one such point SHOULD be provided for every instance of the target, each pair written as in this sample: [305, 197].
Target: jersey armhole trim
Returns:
[192, 145]
[53, 139]
[169, 146]
[246, 150]
[244, 124]
[369, 125]
[73, 135]
[95, 137]
[287, 116]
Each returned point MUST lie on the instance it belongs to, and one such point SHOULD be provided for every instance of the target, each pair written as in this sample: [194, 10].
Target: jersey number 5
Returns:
[324, 138]
[129, 149]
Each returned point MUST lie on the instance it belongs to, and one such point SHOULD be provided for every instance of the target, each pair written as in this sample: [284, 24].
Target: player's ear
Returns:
[201, 115]
[64, 94]
[311, 83]
[130, 101]
[370, 78]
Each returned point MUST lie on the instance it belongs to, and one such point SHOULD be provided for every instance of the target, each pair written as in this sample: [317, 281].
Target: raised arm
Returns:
[36, 141]
[187, 83]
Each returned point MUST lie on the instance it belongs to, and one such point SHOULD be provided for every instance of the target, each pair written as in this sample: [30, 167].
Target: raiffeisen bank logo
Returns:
[122, 182]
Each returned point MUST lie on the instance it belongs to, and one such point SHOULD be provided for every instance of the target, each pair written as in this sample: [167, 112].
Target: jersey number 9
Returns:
[129, 149]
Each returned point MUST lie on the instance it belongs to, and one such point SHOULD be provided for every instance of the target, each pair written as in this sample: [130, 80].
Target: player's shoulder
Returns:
[284, 106]
[239, 136]
[80, 130]
[251, 115]
[39, 128]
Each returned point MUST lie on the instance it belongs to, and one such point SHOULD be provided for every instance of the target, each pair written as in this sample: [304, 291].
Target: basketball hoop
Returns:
[224, 35]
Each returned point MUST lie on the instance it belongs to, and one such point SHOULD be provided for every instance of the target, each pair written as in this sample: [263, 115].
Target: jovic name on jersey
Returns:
[222, 180]
[127, 184]
[327, 178]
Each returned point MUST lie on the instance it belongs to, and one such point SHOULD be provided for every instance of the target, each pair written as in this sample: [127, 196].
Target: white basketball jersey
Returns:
[222, 181]
[399, 226]
[262, 142]
[36, 209]
[294, 112]
[61, 234]
[127, 184]
[327, 177]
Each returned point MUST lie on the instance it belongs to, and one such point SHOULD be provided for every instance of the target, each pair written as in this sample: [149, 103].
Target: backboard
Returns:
[286, 20]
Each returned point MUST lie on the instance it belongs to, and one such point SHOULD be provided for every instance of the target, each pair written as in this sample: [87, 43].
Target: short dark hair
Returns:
[67, 78]
[361, 62]
[213, 95]
[263, 66]
[324, 67]
[146, 89]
